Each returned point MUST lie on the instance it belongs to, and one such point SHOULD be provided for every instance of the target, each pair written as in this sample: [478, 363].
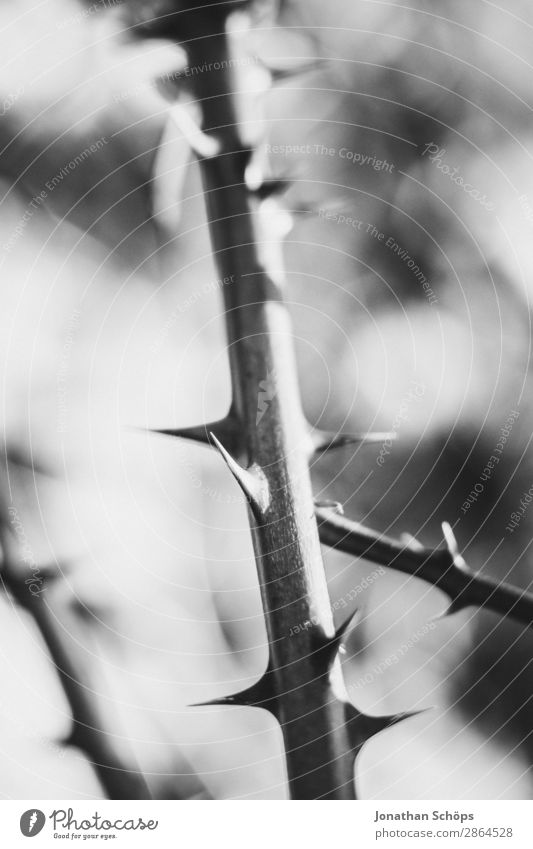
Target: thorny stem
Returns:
[321, 730]
[439, 567]
[289, 561]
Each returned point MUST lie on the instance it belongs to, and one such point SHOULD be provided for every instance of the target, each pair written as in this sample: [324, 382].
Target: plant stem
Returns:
[289, 561]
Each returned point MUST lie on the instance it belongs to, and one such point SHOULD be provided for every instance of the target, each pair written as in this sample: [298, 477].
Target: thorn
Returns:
[245, 154]
[226, 429]
[411, 542]
[455, 606]
[331, 648]
[74, 738]
[453, 548]
[361, 728]
[346, 627]
[282, 74]
[322, 440]
[222, 701]
[203, 145]
[329, 504]
[400, 717]
[271, 188]
[261, 695]
[252, 481]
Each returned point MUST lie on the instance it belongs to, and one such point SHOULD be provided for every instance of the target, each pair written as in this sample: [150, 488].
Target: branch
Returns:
[120, 779]
[322, 732]
[276, 445]
[443, 568]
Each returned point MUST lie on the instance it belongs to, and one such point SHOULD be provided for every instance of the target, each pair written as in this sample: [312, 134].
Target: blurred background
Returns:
[406, 134]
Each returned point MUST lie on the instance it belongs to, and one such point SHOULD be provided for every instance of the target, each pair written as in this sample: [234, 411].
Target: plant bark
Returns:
[319, 755]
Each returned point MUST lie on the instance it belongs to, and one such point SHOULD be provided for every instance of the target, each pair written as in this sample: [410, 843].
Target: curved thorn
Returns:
[203, 145]
[252, 481]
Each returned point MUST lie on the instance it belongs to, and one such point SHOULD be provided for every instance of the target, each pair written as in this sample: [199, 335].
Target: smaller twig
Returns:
[120, 777]
[443, 568]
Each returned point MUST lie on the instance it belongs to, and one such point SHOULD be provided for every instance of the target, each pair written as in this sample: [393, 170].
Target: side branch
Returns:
[444, 568]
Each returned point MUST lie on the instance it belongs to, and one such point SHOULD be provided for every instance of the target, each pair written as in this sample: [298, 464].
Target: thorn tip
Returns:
[252, 481]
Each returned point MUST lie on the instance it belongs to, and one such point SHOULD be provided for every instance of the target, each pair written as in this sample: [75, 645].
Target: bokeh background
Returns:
[111, 323]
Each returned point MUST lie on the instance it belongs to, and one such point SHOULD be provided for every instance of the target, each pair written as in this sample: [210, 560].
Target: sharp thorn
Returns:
[345, 628]
[439, 616]
[456, 606]
[66, 741]
[224, 701]
[203, 145]
[361, 728]
[329, 504]
[270, 188]
[453, 548]
[252, 481]
[400, 717]
[411, 542]
[282, 74]
[331, 648]
[323, 441]
[74, 738]
[261, 695]
[226, 429]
